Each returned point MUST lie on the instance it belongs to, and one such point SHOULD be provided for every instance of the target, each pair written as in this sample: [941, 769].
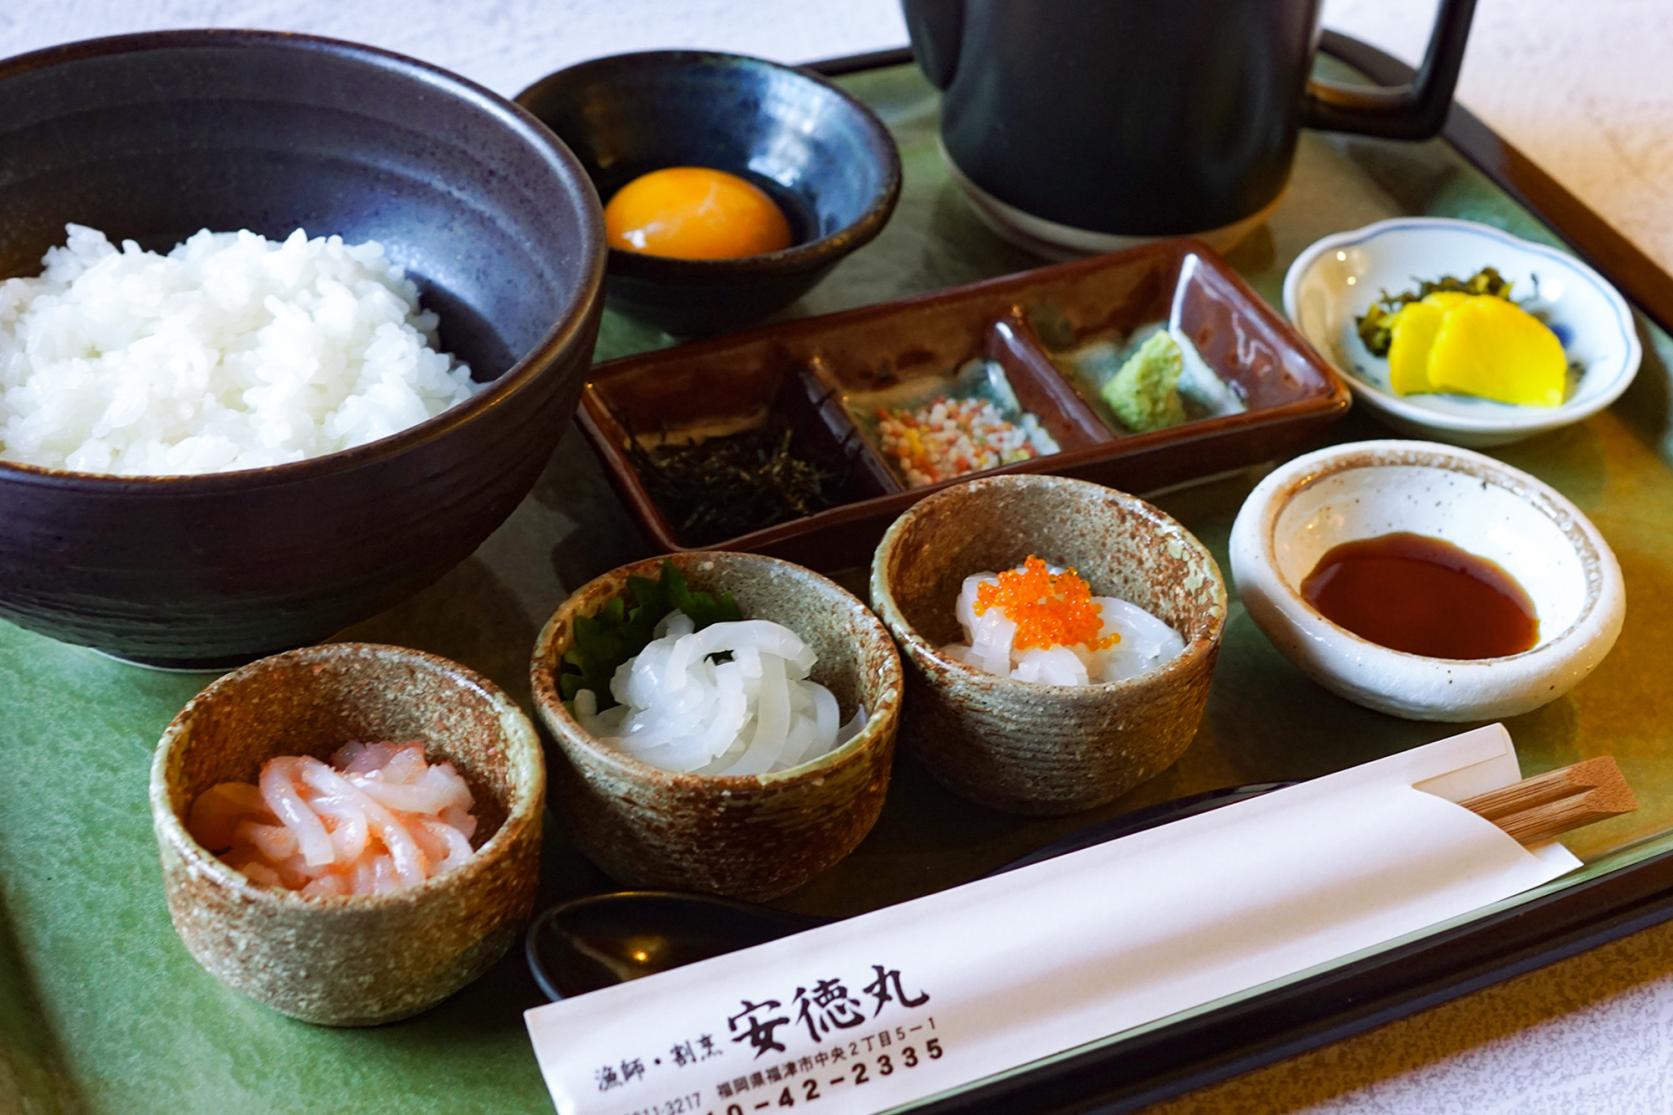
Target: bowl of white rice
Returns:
[287, 327]
[230, 351]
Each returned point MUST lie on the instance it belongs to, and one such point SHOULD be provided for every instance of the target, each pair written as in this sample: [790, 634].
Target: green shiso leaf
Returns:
[702, 607]
[624, 626]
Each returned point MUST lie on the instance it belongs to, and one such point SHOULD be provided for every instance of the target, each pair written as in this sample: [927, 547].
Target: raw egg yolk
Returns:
[692, 212]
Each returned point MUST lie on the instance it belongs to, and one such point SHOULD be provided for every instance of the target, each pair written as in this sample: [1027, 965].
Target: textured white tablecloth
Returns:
[1583, 86]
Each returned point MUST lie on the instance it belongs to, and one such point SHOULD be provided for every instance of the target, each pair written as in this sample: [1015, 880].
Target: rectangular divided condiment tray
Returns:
[1032, 349]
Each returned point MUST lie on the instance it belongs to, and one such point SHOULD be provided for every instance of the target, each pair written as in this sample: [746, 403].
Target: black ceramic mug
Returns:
[1085, 124]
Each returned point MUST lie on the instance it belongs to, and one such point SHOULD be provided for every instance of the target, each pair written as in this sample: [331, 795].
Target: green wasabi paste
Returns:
[1144, 394]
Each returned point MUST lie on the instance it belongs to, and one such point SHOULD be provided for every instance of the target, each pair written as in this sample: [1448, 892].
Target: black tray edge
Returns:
[1399, 982]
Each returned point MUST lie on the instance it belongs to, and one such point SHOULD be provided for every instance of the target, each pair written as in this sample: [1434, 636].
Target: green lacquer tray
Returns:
[102, 1010]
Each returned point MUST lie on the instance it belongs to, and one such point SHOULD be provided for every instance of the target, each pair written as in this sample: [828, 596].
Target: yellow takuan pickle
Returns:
[1412, 336]
[1049, 609]
[1480, 345]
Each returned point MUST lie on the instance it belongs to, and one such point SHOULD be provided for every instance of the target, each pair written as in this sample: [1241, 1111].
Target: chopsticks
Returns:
[1542, 808]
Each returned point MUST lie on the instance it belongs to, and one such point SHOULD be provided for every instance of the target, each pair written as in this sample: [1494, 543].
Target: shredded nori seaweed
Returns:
[731, 484]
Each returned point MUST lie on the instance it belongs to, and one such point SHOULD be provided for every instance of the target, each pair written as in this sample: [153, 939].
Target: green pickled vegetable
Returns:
[1376, 324]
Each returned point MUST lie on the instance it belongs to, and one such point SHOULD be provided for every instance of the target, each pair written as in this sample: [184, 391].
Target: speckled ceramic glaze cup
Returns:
[353, 960]
[744, 836]
[1022, 746]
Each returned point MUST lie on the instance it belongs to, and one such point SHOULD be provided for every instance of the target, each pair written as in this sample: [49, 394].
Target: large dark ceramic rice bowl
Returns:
[156, 136]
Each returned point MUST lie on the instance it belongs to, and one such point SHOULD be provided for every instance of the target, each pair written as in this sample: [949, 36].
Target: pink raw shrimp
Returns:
[383, 819]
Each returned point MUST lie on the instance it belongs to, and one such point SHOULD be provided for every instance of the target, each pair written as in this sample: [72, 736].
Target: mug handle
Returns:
[1414, 111]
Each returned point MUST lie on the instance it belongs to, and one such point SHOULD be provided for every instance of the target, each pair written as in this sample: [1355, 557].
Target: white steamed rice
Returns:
[232, 351]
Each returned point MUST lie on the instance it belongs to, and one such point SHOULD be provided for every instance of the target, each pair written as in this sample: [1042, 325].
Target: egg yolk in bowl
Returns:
[693, 212]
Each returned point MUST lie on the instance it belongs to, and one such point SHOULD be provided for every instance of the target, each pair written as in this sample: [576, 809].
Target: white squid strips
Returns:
[379, 819]
[733, 698]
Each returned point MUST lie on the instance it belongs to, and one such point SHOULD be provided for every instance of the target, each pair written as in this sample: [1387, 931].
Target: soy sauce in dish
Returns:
[1422, 595]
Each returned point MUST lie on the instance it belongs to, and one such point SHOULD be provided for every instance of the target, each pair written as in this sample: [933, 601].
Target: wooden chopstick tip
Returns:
[1544, 807]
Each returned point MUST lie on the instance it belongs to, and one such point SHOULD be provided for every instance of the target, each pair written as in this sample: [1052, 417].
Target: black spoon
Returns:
[588, 943]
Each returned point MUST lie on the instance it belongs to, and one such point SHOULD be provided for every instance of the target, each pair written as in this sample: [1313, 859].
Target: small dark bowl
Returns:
[822, 155]
[155, 136]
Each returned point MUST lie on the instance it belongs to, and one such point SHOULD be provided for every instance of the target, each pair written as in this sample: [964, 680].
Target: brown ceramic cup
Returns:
[745, 836]
[1026, 747]
[354, 960]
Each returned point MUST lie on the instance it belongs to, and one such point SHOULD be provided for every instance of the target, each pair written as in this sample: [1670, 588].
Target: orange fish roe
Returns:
[1049, 609]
